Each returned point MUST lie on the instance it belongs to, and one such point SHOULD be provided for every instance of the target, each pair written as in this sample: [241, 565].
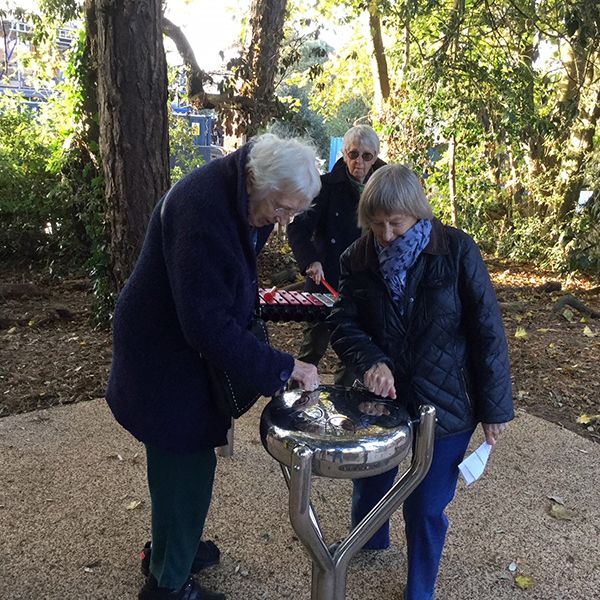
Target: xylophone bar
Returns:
[283, 305]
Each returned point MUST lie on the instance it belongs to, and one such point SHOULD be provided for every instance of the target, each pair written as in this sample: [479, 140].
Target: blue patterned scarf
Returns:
[401, 254]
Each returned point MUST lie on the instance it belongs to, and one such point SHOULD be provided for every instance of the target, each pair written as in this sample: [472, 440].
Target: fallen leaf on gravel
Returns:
[588, 332]
[523, 581]
[568, 314]
[520, 333]
[557, 499]
[134, 504]
[560, 513]
[587, 419]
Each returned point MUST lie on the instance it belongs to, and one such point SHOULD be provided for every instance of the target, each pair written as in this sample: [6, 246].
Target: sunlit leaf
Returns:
[134, 504]
[588, 332]
[520, 333]
[523, 581]
[568, 314]
[584, 419]
[559, 512]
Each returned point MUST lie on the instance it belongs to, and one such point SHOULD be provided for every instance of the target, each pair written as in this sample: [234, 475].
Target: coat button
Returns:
[337, 214]
[333, 240]
[284, 375]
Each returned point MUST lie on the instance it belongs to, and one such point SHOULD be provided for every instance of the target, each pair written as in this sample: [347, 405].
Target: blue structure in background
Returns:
[208, 141]
[335, 151]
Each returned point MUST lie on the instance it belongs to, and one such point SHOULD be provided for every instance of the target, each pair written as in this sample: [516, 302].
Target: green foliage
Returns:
[322, 97]
[28, 211]
[184, 156]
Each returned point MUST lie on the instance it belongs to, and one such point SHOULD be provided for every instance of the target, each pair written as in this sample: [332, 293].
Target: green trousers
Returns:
[180, 490]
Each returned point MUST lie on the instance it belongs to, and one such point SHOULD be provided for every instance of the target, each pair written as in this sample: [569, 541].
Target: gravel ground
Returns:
[74, 511]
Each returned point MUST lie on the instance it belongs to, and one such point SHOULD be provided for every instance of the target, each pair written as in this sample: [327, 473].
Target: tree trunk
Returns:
[132, 110]
[452, 180]
[379, 52]
[267, 18]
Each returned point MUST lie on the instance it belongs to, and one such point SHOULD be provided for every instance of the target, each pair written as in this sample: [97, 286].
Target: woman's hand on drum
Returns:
[380, 381]
[305, 375]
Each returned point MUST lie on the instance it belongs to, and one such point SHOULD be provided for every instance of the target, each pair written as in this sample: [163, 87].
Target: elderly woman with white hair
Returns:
[188, 304]
[320, 235]
[418, 321]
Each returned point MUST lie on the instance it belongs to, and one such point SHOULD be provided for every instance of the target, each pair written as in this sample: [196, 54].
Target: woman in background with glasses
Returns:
[320, 235]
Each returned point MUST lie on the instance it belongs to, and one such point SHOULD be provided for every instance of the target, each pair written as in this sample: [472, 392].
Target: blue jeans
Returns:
[424, 518]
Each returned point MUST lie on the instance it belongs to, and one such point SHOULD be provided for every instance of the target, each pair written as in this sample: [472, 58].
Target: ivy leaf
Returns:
[568, 315]
[523, 582]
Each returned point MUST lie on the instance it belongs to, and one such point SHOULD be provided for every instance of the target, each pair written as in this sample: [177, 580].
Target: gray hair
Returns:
[361, 135]
[283, 165]
[393, 189]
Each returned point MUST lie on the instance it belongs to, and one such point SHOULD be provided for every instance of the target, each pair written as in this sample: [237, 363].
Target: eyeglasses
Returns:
[354, 154]
[288, 213]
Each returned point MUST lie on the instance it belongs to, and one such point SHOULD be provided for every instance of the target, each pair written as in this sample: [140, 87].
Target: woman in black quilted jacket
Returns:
[418, 320]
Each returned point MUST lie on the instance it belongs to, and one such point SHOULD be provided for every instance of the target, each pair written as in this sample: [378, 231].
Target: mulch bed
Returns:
[51, 354]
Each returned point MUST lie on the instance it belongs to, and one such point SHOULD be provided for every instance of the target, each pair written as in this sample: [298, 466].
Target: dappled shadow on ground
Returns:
[51, 354]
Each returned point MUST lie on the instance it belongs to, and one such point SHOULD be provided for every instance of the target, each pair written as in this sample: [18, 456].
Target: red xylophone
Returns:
[283, 305]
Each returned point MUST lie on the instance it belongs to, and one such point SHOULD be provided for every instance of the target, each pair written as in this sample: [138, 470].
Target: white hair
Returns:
[286, 165]
[361, 135]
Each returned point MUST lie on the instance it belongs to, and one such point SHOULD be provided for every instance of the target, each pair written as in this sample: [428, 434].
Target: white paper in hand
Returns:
[473, 466]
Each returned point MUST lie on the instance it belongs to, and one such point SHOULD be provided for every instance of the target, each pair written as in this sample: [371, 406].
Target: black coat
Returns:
[324, 231]
[191, 296]
[448, 349]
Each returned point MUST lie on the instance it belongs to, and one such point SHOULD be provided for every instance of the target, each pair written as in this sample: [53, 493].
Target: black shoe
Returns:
[191, 590]
[208, 555]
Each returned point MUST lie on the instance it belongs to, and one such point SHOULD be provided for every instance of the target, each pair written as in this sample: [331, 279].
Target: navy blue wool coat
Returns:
[447, 346]
[324, 231]
[191, 296]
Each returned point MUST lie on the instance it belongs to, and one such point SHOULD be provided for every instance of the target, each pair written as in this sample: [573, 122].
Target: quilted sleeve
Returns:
[350, 342]
[487, 345]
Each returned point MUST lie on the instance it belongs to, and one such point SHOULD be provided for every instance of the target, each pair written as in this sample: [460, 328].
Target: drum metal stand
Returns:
[330, 564]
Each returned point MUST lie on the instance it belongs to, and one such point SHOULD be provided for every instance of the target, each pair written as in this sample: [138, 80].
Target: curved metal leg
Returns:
[330, 570]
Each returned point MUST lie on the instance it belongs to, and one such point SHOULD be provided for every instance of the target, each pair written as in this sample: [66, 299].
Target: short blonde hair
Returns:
[286, 165]
[393, 189]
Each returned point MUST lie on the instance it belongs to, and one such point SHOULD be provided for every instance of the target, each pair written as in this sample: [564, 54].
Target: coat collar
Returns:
[366, 255]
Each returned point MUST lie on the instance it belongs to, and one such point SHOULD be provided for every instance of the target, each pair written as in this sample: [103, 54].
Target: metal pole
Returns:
[323, 578]
[330, 566]
[227, 449]
[381, 512]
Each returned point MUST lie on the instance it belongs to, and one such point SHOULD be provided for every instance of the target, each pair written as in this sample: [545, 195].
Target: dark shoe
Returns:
[208, 555]
[191, 590]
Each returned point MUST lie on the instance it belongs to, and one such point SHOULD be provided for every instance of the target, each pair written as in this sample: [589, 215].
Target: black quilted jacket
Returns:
[447, 349]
